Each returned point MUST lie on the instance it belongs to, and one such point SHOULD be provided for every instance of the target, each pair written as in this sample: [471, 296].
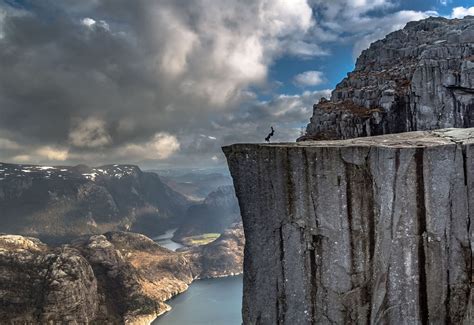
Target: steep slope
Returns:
[57, 203]
[374, 230]
[417, 78]
[217, 212]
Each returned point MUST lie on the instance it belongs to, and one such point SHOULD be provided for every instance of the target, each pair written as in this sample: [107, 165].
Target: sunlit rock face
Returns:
[371, 230]
[417, 78]
[114, 278]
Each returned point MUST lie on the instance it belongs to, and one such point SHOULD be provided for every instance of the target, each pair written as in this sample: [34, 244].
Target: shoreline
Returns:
[176, 295]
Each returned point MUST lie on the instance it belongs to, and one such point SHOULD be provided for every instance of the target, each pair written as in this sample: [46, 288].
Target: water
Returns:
[206, 302]
[165, 240]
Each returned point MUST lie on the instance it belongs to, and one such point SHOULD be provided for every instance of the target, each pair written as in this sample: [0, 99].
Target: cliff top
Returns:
[399, 140]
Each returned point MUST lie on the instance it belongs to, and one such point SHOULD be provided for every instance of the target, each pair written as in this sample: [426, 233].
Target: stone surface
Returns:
[40, 285]
[371, 230]
[417, 78]
[115, 278]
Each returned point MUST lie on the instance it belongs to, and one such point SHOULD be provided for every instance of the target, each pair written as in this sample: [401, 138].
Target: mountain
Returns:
[195, 184]
[216, 213]
[417, 78]
[61, 202]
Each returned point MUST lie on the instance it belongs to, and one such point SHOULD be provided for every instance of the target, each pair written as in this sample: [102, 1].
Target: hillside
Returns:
[57, 203]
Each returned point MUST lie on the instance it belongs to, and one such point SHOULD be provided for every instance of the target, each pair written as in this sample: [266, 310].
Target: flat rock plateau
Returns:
[374, 230]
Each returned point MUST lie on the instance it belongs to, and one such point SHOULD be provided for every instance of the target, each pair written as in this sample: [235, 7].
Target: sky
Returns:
[166, 83]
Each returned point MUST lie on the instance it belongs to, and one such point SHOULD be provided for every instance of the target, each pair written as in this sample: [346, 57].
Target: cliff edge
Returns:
[369, 230]
[418, 78]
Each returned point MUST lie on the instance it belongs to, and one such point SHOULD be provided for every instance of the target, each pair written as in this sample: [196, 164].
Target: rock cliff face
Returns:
[417, 78]
[39, 284]
[373, 230]
[115, 278]
[62, 202]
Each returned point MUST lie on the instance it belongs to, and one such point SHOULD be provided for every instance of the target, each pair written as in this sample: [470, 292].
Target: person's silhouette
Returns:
[270, 134]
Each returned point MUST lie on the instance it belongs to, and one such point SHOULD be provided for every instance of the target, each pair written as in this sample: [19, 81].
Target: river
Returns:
[165, 240]
[206, 302]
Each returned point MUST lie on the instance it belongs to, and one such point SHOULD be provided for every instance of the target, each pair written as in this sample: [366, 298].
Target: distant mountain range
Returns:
[56, 203]
[195, 184]
[216, 213]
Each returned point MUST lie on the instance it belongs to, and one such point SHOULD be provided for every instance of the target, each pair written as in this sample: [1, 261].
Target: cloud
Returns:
[53, 154]
[353, 21]
[21, 159]
[99, 76]
[7, 144]
[461, 12]
[161, 146]
[100, 81]
[89, 133]
[309, 78]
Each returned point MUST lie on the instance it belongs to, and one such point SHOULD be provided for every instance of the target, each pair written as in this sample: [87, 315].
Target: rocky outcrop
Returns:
[373, 230]
[40, 285]
[222, 257]
[62, 202]
[417, 78]
[115, 278]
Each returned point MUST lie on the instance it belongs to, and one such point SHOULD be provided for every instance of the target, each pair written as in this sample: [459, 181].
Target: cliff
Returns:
[115, 278]
[417, 78]
[57, 203]
[371, 230]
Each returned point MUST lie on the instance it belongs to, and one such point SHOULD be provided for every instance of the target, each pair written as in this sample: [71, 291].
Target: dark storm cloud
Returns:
[102, 80]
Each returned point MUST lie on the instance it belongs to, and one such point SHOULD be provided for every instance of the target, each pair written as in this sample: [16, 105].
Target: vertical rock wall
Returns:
[365, 231]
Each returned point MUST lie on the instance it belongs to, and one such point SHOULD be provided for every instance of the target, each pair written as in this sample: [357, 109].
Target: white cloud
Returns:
[89, 22]
[52, 153]
[229, 45]
[90, 133]
[306, 49]
[22, 159]
[310, 78]
[7, 144]
[461, 12]
[162, 146]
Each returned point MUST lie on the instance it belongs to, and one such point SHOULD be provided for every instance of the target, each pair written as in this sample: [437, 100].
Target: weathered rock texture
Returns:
[417, 78]
[374, 230]
[115, 278]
